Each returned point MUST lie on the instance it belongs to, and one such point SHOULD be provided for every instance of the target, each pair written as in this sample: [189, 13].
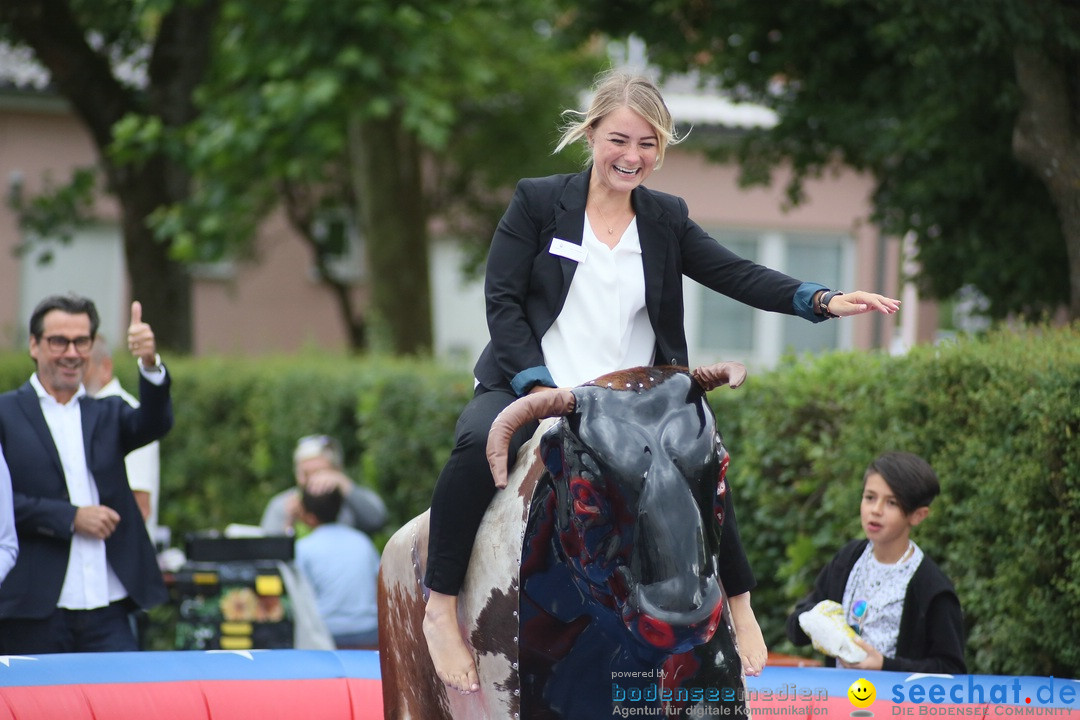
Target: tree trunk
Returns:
[84, 77]
[386, 162]
[161, 284]
[1046, 139]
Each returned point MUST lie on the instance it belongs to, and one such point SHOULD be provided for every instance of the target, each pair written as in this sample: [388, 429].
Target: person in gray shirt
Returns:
[362, 508]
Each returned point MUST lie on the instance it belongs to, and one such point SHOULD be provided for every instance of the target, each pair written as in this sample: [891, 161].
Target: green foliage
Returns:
[997, 417]
[288, 96]
[998, 420]
[15, 369]
[406, 416]
[237, 422]
[127, 70]
[54, 213]
[244, 110]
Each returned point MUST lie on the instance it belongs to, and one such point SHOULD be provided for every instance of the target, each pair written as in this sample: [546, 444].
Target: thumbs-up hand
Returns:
[141, 338]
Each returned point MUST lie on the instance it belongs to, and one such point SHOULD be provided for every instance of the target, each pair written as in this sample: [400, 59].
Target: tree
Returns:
[967, 113]
[82, 43]
[381, 113]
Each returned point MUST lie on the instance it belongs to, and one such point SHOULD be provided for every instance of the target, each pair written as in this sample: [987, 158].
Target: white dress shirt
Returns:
[603, 325]
[9, 541]
[89, 582]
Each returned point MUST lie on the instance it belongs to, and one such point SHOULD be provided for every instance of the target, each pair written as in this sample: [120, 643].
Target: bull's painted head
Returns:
[638, 473]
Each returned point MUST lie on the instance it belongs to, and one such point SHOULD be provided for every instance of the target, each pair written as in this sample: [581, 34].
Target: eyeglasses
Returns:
[858, 615]
[59, 343]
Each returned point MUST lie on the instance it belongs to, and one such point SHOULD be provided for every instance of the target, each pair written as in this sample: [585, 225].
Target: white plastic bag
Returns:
[825, 625]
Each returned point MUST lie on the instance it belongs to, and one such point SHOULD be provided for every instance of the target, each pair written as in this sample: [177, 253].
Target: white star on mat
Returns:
[5, 660]
[242, 653]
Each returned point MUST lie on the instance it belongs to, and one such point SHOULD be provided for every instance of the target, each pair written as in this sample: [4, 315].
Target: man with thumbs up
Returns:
[85, 559]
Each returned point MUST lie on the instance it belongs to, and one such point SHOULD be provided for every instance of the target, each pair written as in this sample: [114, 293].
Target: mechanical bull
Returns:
[593, 585]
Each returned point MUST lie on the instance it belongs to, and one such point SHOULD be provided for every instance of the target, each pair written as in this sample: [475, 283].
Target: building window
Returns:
[719, 328]
[728, 325]
[91, 264]
[341, 243]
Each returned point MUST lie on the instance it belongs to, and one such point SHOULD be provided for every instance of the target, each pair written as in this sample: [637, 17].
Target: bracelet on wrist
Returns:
[823, 303]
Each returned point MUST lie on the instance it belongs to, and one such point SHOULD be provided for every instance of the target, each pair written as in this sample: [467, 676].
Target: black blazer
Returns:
[43, 514]
[526, 285]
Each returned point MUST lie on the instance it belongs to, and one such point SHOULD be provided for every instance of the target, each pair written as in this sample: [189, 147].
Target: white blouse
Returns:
[603, 325]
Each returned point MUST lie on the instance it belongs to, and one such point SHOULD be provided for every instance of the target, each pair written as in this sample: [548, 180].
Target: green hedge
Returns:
[237, 421]
[997, 417]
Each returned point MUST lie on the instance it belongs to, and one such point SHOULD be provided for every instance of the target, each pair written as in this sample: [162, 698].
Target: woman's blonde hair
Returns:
[613, 90]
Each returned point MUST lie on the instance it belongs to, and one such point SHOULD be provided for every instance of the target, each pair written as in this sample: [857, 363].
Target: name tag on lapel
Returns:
[568, 250]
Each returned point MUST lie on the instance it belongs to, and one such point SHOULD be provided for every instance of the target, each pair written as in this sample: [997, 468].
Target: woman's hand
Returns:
[860, 301]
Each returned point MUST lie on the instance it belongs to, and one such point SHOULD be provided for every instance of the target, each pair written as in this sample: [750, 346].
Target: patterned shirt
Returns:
[874, 596]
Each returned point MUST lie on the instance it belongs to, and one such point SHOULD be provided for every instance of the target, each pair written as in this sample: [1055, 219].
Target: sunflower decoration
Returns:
[239, 605]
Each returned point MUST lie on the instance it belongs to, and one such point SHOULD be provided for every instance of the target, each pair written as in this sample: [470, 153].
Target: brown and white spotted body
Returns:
[487, 608]
[598, 561]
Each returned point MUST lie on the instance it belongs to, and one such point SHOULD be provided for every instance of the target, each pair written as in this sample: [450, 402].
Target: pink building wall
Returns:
[837, 203]
[270, 304]
[36, 138]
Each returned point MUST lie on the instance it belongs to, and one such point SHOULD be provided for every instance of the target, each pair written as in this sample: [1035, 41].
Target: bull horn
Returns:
[710, 377]
[535, 406]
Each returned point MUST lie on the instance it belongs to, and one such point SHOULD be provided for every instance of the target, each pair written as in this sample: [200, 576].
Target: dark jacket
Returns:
[931, 636]
[527, 284]
[44, 516]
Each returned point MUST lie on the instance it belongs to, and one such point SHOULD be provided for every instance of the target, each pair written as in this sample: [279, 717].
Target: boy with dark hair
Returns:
[902, 606]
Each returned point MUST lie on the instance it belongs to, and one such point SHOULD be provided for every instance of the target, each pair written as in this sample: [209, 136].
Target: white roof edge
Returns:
[712, 109]
[688, 103]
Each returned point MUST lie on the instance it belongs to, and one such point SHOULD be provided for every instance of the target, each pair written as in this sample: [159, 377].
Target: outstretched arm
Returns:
[859, 302]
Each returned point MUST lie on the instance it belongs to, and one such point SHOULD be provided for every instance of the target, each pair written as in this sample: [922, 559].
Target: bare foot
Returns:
[748, 638]
[452, 659]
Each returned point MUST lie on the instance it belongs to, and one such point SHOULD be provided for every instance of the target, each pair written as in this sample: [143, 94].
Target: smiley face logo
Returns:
[862, 693]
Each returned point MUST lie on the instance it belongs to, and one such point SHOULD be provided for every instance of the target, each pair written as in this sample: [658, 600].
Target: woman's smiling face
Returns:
[625, 148]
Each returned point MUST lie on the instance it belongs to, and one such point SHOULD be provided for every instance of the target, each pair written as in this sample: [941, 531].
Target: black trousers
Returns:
[464, 490]
[105, 629]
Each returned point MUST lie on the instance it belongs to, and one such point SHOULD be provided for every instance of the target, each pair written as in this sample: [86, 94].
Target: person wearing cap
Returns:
[361, 507]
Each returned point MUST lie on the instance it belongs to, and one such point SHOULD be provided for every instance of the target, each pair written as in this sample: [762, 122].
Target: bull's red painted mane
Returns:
[638, 378]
